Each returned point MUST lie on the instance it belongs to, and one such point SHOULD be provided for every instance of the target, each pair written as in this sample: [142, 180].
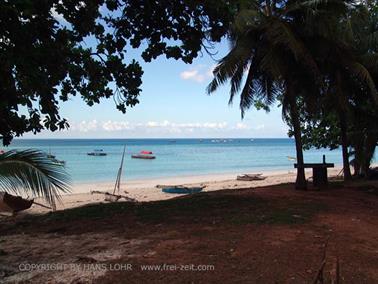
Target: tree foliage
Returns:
[52, 50]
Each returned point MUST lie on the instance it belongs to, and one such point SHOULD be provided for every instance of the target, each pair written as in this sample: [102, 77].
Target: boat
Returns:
[97, 152]
[250, 177]
[143, 156]
[53, 157]
[13, 204]
[115, 195]
[182, 189]
[147, 155]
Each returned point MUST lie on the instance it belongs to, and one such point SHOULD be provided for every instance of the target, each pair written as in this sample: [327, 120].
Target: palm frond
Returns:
[359, 70]
[236, 60]
[281, 35]
[33, 173]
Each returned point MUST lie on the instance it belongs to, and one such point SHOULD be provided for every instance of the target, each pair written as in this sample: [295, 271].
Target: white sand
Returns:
[145, 190]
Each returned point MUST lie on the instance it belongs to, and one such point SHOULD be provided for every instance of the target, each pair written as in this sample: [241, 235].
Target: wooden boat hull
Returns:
[250, 177]
[182, 190]
[11, 203]
[140, 156]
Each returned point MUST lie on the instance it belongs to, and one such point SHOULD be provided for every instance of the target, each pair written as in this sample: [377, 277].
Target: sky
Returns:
[173, 104]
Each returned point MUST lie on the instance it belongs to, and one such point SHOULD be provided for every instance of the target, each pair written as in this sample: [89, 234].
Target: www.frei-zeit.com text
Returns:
[26, 267]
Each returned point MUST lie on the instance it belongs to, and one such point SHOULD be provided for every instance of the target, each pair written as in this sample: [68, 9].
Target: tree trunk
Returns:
[371, 142]
[344, 146]
[300, 183]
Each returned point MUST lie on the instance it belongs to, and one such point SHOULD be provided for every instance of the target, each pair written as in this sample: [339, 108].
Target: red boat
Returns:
[144, 155]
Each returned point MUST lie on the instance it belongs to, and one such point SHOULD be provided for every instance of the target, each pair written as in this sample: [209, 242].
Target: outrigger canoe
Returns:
[182, 189]
[250, 177]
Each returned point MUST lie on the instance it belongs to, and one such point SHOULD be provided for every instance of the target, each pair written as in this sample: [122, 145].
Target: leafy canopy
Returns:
[52, 50]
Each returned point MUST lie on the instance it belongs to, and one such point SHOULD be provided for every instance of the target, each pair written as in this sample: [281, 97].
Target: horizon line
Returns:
[149, 138]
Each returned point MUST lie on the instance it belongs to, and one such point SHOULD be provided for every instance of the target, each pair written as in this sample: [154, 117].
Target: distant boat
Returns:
[53, 157]
[252, 140]
[182, 189]
[97, 152]
[147, 155]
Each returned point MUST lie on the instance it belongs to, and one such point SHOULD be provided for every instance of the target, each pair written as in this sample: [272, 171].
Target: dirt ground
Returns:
[254, 235]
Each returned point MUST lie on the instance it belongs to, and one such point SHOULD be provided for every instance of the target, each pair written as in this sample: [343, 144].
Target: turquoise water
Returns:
[173, 157]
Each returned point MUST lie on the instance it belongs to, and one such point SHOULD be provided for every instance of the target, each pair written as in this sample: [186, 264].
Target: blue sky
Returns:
[173, 104]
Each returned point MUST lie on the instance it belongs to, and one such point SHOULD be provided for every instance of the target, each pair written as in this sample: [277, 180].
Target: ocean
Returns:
[174, 157]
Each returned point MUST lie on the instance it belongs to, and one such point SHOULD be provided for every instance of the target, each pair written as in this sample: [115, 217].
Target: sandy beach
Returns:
[146, 190]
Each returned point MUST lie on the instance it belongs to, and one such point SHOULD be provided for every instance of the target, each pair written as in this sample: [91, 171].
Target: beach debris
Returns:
[113, 197]
[250, 177]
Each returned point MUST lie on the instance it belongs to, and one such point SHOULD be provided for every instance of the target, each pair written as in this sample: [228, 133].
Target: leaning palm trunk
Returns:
[32, 173]
[300, 183]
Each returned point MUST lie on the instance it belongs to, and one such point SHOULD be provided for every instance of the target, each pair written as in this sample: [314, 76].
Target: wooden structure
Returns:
[319, 172]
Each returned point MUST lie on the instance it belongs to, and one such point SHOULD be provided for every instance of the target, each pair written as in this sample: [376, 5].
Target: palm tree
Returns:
[347, 60]
[33, 173]
[266, 43]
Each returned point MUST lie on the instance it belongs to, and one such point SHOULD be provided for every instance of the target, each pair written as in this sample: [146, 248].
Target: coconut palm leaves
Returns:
[31, 172]
[263, 40]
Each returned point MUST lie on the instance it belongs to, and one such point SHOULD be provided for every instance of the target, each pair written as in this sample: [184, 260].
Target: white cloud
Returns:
[179, 127]
[116, 125]
[242, 126]
[259, 127]
[85, 126]
[162, 127]
[199, 73]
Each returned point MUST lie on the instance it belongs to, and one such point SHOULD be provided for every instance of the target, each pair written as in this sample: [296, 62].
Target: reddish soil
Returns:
[263, 235]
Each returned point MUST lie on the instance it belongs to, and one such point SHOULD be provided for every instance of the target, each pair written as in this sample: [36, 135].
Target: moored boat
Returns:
[97, 152]
[53, 157]
[147, 155]
[143, 156]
